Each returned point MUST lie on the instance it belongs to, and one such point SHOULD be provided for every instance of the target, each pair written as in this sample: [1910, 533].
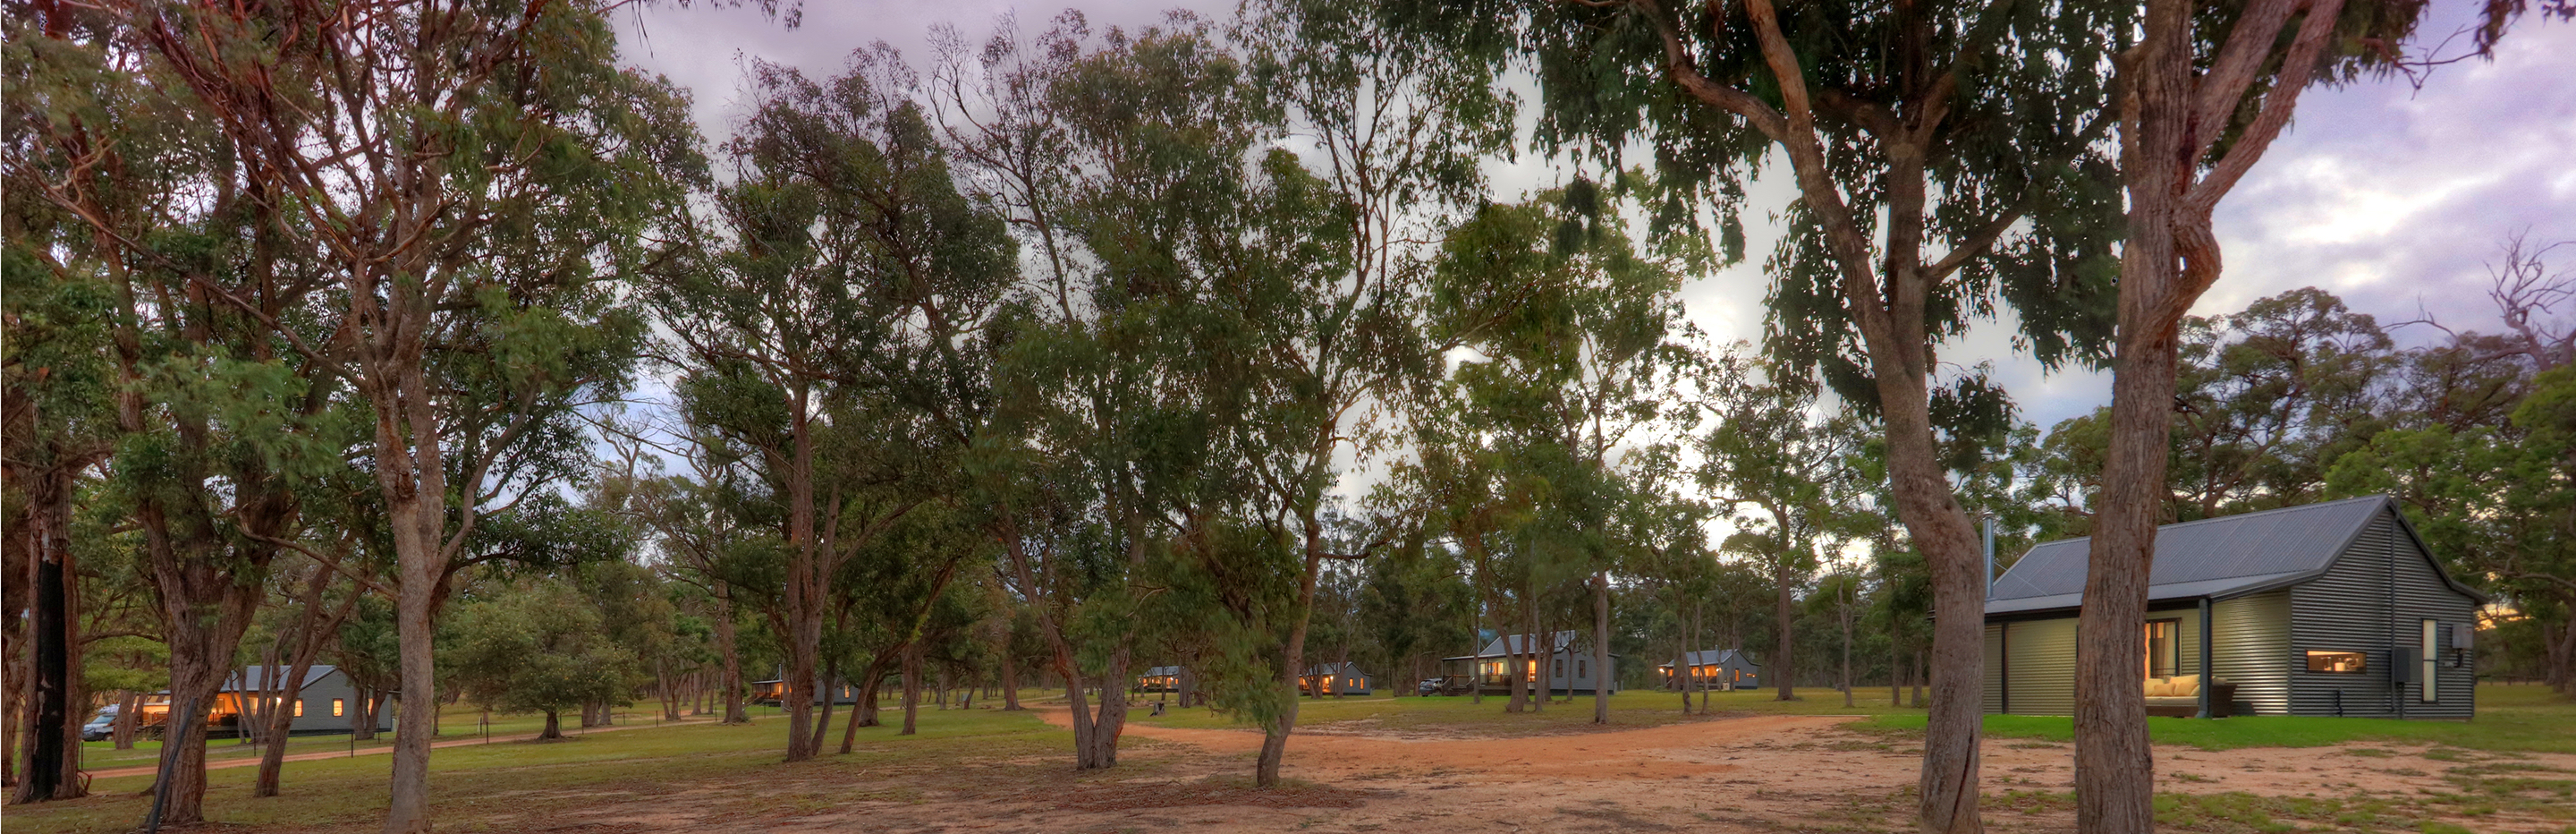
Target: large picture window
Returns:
[2164, 647]
[2336, 661]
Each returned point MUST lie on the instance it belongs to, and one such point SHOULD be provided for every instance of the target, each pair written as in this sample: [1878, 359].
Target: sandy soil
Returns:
[1748, 773]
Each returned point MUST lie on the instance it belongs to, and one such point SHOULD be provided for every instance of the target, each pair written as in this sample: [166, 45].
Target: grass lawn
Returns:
[474, 785]
[2511, 717]
[1633, 708]
[453, 722]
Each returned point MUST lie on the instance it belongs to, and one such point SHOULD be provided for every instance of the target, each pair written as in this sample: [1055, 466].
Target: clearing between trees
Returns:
[1393, 764]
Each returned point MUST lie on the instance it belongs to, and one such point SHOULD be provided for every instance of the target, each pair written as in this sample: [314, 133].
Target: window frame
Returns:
[2360, 668]
[2428, 689]
[2173, 646]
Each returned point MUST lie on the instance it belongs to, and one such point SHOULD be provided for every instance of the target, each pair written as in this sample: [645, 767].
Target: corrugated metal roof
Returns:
[1163, 670]
[1715, 657]
[1519, 644]
[1344, 668]
[2208, 558]
[262, 678]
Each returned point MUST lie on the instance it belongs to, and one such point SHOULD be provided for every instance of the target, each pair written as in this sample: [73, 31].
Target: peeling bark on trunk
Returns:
[52, 736]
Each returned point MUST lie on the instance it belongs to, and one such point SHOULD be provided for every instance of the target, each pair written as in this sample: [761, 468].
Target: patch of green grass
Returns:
[478, 784]
[453, 723]
[1629, 709]
[2511, 717]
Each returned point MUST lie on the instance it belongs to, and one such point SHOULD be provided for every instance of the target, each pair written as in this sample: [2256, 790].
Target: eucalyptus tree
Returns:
[1786, 475]
[1944, 156]
[57, 380]
[1121, 161]
[453, 204]
[1389, 134]
[218, 423]
[842, 234]
[2203, 97]
[1575, 329]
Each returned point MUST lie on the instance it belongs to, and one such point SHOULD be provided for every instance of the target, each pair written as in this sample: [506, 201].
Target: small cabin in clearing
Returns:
[1160, 679]
[2324, 609]
[1567, 670]
[1721, 669]
[1333, 679]
[327, 703]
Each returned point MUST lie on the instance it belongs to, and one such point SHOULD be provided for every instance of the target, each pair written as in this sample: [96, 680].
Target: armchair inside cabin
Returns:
[2179, 696]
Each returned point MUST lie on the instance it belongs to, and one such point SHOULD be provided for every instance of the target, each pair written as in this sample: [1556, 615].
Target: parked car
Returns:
[1428, 686]
[100, 726]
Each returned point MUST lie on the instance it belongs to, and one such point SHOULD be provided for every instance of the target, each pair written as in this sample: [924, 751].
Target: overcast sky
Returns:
[2392, 197]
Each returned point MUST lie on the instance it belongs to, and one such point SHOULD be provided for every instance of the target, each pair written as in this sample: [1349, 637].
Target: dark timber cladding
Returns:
[2324, 609]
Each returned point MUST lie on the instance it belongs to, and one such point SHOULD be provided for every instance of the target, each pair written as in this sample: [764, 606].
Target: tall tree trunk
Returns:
[1600, 648]
[1011, 678]
[128, 702]
[52, 739]
[2172, 118]
[731, 683]
[807, 584]
[911, 688]
[554, 726]
[311, 627]
[1847, 641]
[1787, 612]
[831, 691]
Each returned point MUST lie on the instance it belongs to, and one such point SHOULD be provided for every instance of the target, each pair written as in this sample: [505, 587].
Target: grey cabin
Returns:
[326, 704]
[1722, 669]
[2335, 608]
[1567, 670]
[1333, 679]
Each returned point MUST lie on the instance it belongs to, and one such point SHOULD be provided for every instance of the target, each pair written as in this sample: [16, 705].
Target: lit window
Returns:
[338, 706]
[2432, 651]
[2336, 661]
[299, 707]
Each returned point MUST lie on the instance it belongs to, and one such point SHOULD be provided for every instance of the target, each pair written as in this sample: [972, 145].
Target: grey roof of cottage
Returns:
[263, 678]
[1159, 671]
[2214, 558]
[1513, 644]
[1342, 668]
[1715, 657]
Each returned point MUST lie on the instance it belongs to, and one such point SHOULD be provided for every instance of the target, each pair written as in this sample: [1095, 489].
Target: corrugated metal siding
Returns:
[2042, 654]
[2373, 600]
[2253, 638]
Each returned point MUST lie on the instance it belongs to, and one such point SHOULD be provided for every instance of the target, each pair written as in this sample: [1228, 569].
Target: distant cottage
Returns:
[1721, 669]
[773, 693]
[2324, 609]
[1333, 679]
[1160, 679]
[1567, 669]
[327, 703]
